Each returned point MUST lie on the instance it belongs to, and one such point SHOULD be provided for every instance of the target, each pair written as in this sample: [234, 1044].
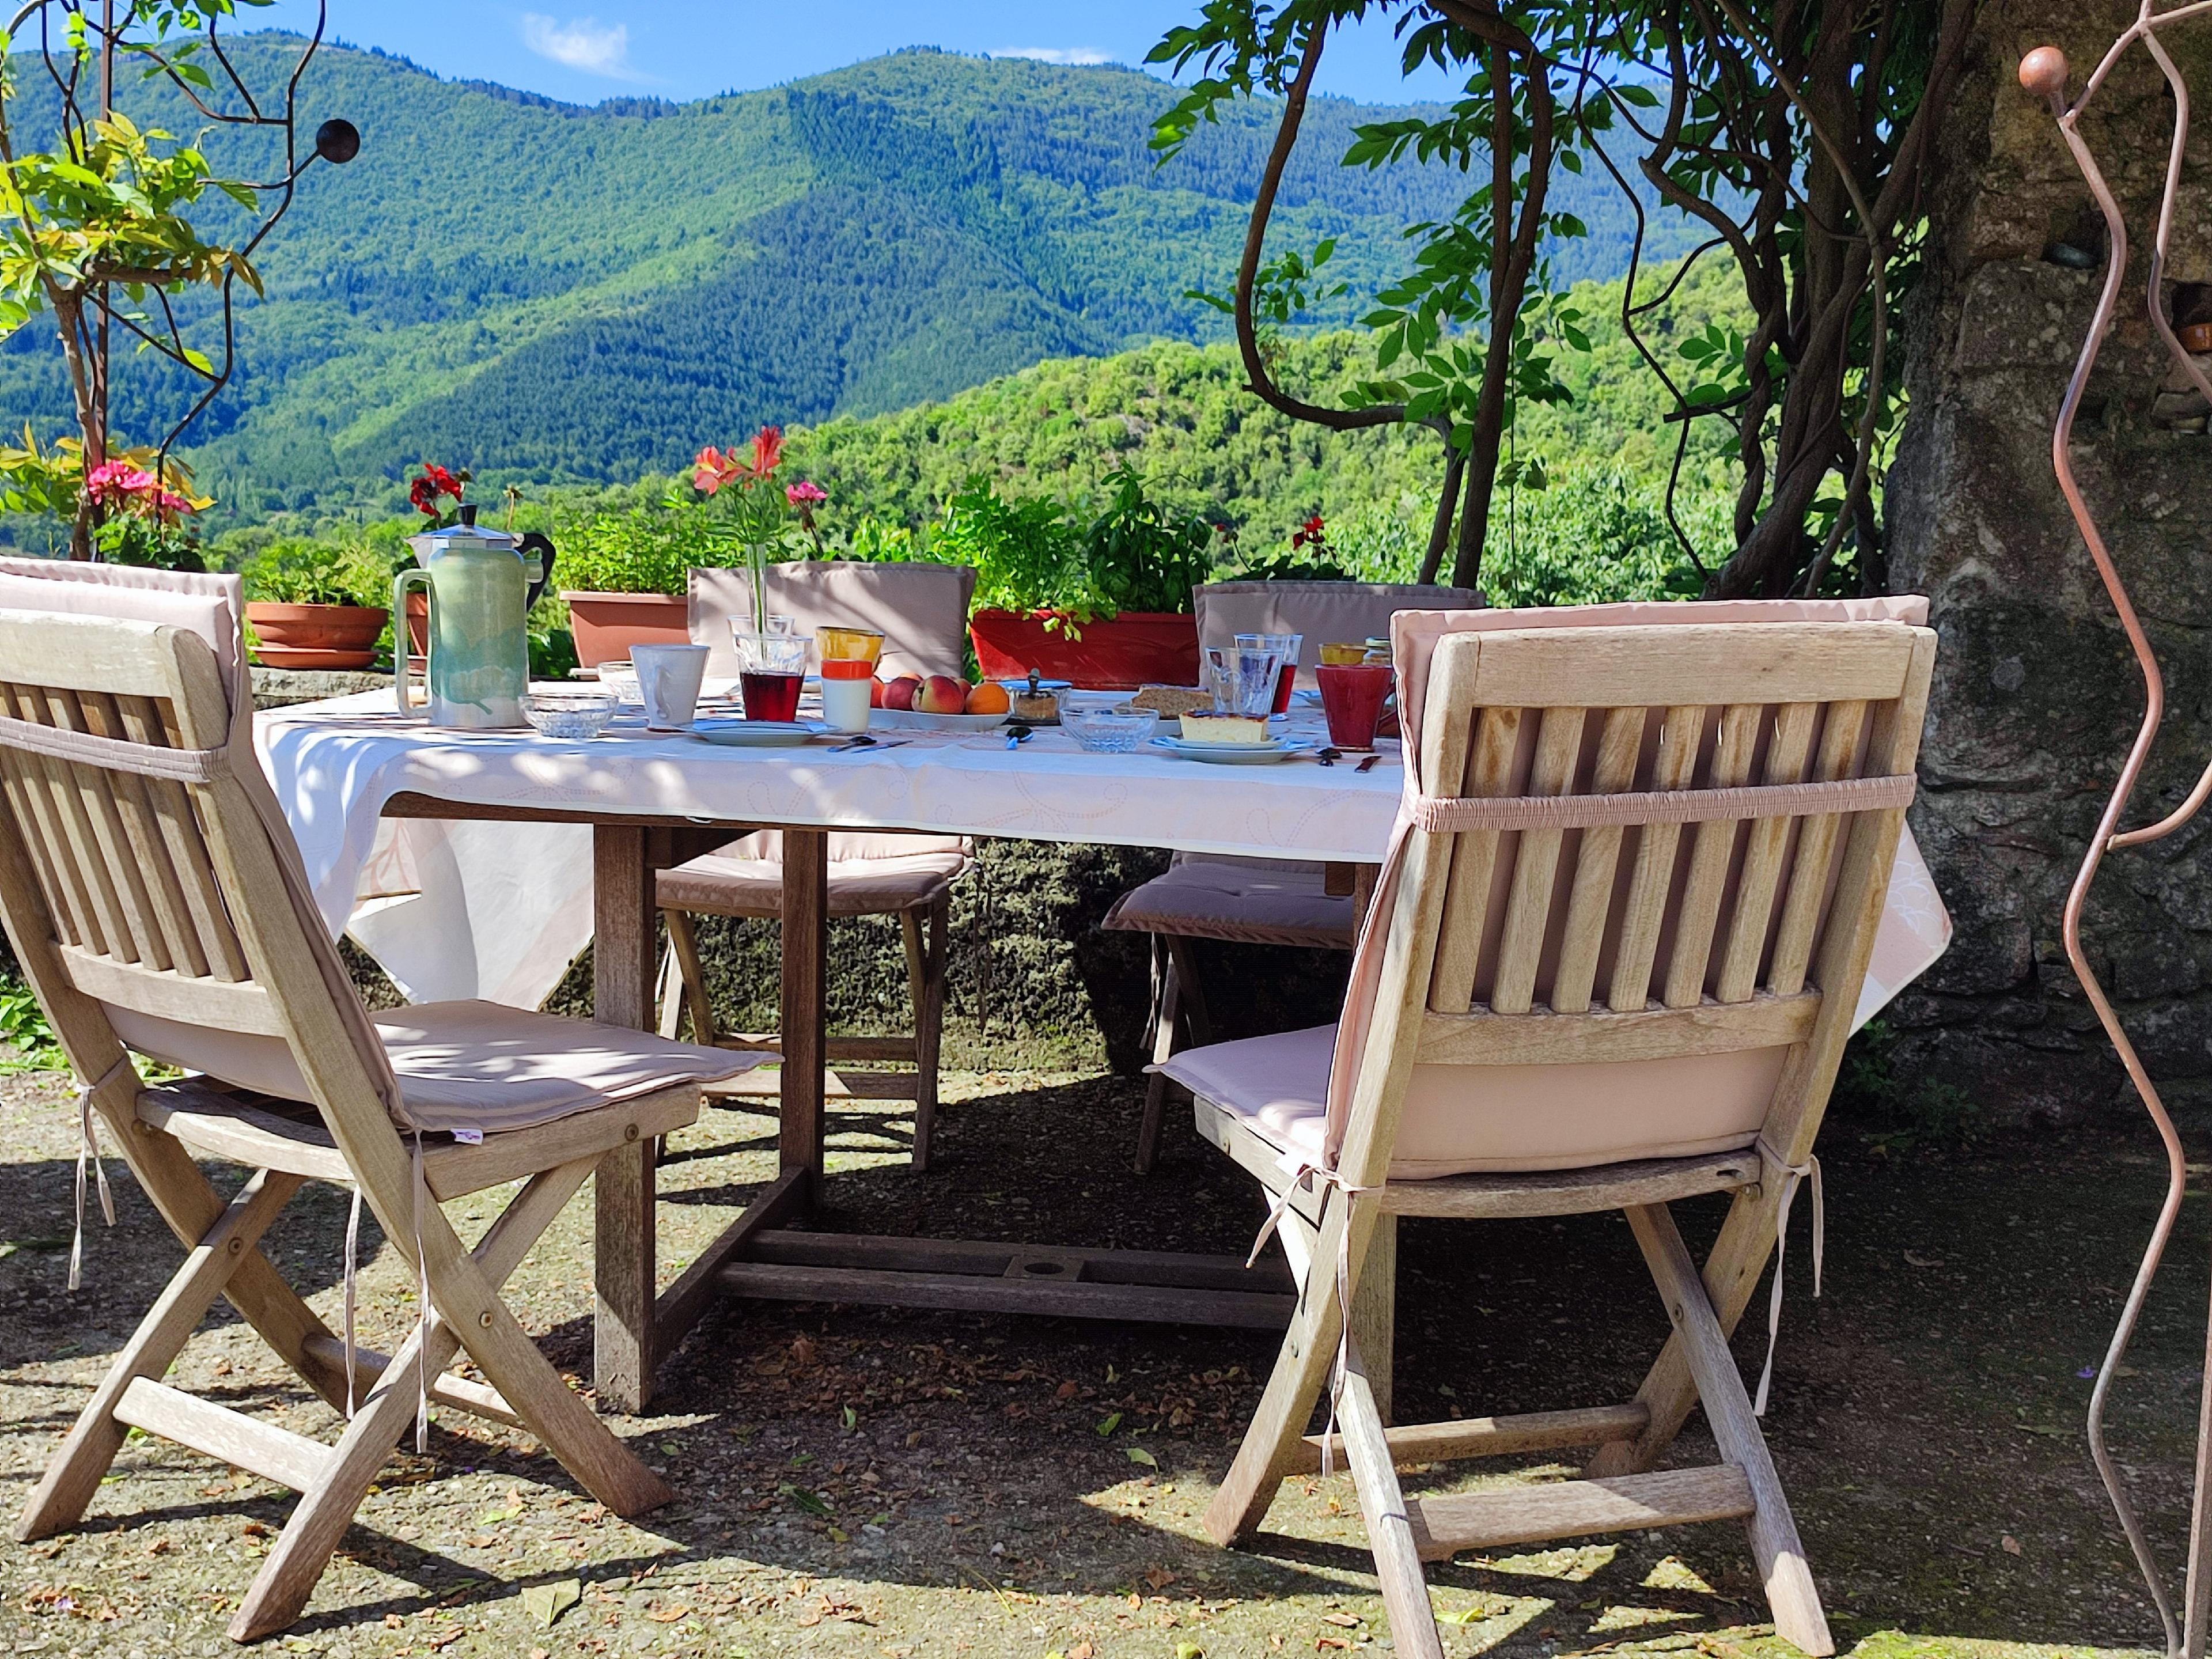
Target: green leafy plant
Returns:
[1138, 555]
[98, 234]
[23, 1028]
[1027, 555]
[299, 571]
[643, 550]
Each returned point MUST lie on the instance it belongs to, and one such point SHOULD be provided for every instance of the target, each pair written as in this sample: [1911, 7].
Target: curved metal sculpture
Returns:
[2045, 72]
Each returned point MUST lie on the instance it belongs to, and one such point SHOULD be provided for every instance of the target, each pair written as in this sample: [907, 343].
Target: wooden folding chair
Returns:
[152, 893]
[922, 610]
[1622, 956]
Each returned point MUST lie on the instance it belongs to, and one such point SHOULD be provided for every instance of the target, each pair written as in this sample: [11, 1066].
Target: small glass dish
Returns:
[569, 715]
[1115, 731]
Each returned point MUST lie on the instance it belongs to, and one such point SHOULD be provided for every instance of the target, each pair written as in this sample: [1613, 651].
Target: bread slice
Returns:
[1173, 701]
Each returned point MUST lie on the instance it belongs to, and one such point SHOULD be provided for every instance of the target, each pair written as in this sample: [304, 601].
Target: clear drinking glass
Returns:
[771, 669]
[1243, 679]
[1289, 645]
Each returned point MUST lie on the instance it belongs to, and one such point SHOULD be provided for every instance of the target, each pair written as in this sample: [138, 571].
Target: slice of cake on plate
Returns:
[1246, 730]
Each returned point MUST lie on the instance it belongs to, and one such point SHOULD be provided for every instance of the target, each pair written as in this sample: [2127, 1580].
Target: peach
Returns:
[988, 699]
[875, 694]
[900, 691]
[941, 694]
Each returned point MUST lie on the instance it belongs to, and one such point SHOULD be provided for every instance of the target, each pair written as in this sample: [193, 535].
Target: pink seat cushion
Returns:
[1322, 613]
[1473, 1119]
[460, 1064]
[1243, 901]
[722, 885]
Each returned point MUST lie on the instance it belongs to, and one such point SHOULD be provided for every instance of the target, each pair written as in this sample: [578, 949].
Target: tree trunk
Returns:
[2036, 696]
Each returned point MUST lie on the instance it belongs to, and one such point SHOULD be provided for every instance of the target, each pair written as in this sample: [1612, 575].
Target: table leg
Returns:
[622, 976]
[805, 961]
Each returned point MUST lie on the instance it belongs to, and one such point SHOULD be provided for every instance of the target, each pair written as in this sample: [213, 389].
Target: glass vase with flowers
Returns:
[760, 515]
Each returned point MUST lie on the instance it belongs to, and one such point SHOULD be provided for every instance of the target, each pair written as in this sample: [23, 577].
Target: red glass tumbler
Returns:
[1351, 696]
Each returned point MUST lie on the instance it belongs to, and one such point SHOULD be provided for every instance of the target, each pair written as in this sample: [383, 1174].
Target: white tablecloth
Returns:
[498, 910]
[456, 909]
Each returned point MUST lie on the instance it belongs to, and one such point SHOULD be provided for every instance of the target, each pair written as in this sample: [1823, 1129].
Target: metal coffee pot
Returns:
[480, 585]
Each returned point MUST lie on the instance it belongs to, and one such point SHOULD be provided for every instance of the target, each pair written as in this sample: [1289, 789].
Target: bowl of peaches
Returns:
[937, 702]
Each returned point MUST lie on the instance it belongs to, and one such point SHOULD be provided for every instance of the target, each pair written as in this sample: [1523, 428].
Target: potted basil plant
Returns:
[1107, 603]
[307, 604]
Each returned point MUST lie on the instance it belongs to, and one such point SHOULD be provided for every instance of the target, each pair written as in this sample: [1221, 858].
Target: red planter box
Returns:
[607, 625]
[1137, 647]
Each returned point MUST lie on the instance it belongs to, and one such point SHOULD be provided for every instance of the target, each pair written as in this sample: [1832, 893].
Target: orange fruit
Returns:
[988, 699]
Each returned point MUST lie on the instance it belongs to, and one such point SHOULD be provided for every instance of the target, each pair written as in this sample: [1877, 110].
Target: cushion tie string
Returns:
[1792, 1175]
[1304, 1174]
[352, 1254]
[88, 1146]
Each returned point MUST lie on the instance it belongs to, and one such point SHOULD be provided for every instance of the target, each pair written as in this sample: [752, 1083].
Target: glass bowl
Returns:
[571, 716]
[1114, 731]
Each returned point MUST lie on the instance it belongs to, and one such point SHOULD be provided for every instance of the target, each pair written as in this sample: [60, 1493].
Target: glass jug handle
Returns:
[402, 680]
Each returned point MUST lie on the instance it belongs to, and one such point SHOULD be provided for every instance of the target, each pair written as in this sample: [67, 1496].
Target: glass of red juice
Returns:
[1351, 696]
[771, 668]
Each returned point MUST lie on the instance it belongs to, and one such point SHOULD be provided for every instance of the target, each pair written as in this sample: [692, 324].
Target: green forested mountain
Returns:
[550, 293]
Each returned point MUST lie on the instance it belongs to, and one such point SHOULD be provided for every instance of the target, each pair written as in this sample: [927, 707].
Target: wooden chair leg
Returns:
[1383, 1509]
[670, 997]
[1185, 961]
[74, 1475]
[1732, 1273]
[1166, 1004]
[1274, 1447]
[683, 948]
[535, 1393]
[1375, 1311]
[1774, 1542]
[925, 969]
[181, 1193]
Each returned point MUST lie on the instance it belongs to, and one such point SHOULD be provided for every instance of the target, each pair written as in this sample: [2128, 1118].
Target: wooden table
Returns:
[764, 1253]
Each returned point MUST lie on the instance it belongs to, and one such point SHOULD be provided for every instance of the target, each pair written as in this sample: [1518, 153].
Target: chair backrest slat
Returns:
[77, 864]
[1764, 844]
[1597, 861]
[25, 785]
[1841, 743]
[209, 942]
[1681, 730]
[1528, 907]
[1712, 846]
[102, 793]
[1473, 861]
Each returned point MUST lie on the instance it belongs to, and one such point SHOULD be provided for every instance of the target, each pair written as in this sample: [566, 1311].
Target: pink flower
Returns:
[116, 483]
[804, 496]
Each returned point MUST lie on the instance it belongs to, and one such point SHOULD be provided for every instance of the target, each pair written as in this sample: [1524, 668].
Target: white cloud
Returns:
[1084, 55]
[582, 43]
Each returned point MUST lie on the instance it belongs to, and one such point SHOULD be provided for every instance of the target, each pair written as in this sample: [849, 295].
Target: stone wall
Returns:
[2036, 695]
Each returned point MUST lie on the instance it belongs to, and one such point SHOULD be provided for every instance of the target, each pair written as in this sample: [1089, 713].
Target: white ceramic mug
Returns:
[668, 680]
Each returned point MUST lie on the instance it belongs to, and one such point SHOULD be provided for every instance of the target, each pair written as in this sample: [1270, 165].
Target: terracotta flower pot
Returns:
[339, 636]
[1137, 647]
[607, 625]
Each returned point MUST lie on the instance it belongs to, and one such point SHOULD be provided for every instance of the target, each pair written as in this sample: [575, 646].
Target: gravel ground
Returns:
[868, 1482]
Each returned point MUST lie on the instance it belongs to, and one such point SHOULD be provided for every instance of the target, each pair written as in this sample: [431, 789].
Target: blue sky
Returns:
[690, 50]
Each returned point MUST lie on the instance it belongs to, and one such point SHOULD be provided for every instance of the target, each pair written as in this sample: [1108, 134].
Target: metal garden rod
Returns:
[2044, 71]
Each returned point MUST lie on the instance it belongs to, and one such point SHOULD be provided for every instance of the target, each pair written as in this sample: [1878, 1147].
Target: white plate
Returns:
[913, 719]
[756, 734]
[1229, 754]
